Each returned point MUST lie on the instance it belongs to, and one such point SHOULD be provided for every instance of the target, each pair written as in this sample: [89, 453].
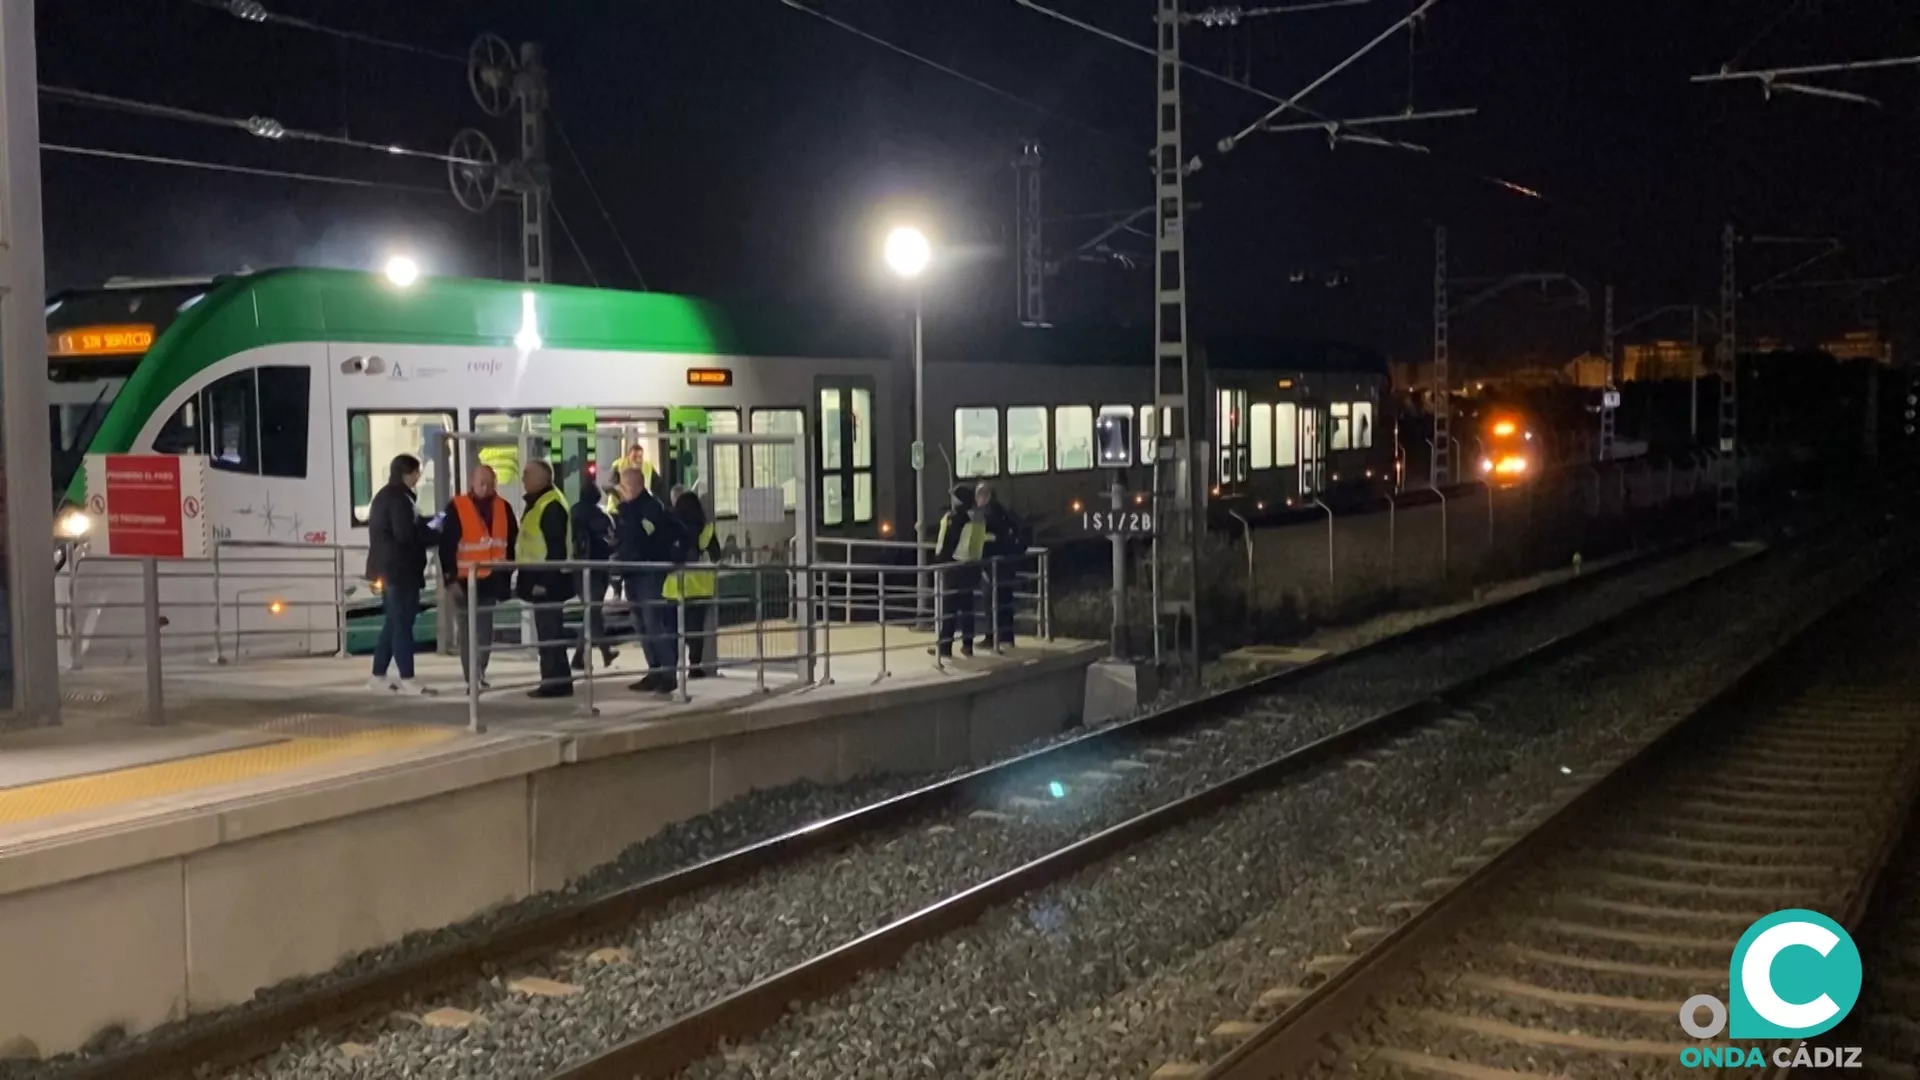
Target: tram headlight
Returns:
[72, 524]
[1512, 465]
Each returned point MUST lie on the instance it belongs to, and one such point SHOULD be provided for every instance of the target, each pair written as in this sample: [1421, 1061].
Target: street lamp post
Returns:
[908, 253]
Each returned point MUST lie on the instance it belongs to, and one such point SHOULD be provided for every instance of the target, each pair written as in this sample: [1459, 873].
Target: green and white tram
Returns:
[300, 385]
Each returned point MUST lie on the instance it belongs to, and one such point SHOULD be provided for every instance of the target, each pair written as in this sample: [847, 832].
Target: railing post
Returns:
[1046, 594]
[219, 650]
[939, 616]
[1391, 538]
[826, 629]
[1443, 532]
[586, 634]
[680, 693]
[1322, 505]
[474, 647]
[339, 598]
[150, 609]
[993, 601]
[883, 628]
[74, 649]
[759, 635]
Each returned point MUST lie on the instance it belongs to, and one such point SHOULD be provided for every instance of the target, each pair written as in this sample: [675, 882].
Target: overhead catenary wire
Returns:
[1130, 144]
[605, 215]
[243, 170]
[253, 11]
[260, 126]
[1205, 73]
[568, 233]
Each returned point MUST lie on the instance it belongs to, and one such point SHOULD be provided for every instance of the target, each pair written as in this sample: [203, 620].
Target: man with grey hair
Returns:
[477, 536]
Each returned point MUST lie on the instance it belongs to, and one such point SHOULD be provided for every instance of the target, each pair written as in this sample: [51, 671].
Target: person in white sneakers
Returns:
[397, 542]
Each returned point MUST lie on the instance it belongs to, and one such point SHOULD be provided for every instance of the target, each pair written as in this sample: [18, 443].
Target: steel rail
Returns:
[672, 1047]
[254, 1030]
[1295, 1039]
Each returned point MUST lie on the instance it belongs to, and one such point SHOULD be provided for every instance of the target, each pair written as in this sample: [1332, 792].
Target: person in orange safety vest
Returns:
[479, 533]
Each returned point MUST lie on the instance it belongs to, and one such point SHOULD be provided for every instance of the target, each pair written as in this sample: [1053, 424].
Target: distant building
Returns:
[1860, 345]
[1587, 370]
[1658, 360]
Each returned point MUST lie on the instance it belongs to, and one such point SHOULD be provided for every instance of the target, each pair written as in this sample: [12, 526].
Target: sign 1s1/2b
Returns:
[1118, 522]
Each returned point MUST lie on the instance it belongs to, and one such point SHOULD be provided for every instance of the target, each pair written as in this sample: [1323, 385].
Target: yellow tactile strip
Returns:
[311, 740]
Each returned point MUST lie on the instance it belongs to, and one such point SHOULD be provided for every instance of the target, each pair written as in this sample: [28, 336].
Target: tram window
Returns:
[862, 431]
[1286, 434]
[1261, 429]
[233, 433]
[1342, 414]
[774, 466]
[1073, 437]
[1147, 433]
[862, 497]
[1362, 425]
[1026, 440]
[976, 442]
[831, 510]
[726, 463]
[181, 433]
[830, 429]
[374, 439]
[283, 420]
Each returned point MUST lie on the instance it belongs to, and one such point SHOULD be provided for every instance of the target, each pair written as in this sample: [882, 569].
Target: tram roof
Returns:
[356, 306]
[1106, 346]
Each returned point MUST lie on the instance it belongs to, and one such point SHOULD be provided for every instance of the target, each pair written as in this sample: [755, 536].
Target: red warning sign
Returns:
[144, 504]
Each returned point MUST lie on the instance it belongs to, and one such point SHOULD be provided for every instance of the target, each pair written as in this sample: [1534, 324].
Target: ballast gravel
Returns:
[710, 945]
[1130, 964]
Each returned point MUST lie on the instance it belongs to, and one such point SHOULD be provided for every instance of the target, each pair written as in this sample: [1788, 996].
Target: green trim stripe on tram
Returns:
[278, 307]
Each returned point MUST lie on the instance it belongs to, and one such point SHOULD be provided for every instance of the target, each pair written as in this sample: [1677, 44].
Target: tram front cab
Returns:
[1510, 453]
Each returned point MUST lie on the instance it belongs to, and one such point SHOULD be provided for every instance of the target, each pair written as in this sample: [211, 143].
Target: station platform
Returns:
[286, 816]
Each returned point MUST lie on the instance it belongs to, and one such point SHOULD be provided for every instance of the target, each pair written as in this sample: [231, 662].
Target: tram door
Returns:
[843, 454]
[1313, 430]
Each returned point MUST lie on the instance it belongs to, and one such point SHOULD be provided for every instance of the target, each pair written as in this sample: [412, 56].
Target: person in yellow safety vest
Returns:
[503, 460]
[962, 541]
[696, 587]
[479, 529]
[636, 458]
[546, 535]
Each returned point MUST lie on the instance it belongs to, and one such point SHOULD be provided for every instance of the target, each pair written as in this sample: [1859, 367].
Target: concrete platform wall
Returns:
[234, 901]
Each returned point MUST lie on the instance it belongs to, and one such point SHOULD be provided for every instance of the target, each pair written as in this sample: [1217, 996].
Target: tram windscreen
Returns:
[95, 340]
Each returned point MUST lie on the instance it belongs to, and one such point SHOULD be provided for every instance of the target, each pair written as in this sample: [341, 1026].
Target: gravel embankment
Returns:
[1886, 1021]
[713, 944]
[1111, 973]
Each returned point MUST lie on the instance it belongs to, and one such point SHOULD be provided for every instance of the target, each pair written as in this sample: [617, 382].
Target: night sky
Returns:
[748, 150]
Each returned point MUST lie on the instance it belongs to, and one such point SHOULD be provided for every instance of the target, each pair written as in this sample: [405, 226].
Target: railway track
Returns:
[1175, 764]
[1566, 946]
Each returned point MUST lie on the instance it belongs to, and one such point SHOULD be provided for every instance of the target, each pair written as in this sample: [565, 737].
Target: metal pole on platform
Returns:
[339, 599]
[883, 628]
[586, 634]
[33, 648]
[759, 635]
[150, 610]
[1117, 645]
[680, 693]
[219, 656]
[475, 658]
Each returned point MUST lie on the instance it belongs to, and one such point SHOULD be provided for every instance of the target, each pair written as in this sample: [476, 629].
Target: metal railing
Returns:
[784, 619]
[788, 620]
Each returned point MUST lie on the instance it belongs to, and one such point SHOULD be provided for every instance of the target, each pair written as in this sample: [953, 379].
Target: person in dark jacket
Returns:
[957, 553]
[397, 542]
[546, 535]
[478, 530]
[1006, 543]
[645, 532]
[593, 540]
[695, 586]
